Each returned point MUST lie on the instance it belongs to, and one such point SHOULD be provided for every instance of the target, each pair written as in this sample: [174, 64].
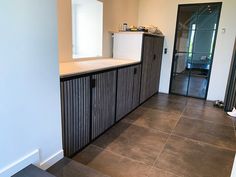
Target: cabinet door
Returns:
[136, 86]
[128, 87]
[124, 91]
[75, 104]
[147, 60]
[156, 64]
[103, 102]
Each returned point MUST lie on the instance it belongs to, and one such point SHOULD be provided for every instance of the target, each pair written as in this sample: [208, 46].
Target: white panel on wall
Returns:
[128, 45]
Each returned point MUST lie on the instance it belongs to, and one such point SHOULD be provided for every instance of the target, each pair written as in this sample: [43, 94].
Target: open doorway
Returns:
[195, 38]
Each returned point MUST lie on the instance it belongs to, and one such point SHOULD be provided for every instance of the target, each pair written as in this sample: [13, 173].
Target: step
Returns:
[32, 171]
[70, 168]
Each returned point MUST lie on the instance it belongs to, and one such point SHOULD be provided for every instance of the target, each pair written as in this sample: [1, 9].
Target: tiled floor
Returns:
[168, 136]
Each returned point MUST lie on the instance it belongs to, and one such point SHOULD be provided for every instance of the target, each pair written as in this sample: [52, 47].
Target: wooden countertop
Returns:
[85, 67]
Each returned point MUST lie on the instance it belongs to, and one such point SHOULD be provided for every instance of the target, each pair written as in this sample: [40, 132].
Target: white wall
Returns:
[163, 13]
[29, 83]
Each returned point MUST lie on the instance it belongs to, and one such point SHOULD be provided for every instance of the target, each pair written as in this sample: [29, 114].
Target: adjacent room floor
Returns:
[168, 136]
[195, 86]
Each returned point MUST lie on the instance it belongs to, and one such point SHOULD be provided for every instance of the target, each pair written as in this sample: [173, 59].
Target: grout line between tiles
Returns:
[146, 127]
[121, 156]
[163, 111]
[187, 117]
[158, 156]
[159, 110]
[202, 142]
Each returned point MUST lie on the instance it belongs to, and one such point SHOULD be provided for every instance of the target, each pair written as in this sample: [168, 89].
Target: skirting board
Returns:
[20, 164]
[32, 158]
[233, 174]
[51, 160]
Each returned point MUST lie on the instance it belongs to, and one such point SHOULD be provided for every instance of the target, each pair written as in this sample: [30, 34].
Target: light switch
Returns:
[165, 51]
[223, 31]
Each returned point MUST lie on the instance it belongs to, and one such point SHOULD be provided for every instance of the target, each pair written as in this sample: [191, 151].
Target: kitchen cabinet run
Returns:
[93, 102]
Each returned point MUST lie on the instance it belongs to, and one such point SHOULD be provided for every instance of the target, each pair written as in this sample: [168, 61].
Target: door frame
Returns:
[175, 40]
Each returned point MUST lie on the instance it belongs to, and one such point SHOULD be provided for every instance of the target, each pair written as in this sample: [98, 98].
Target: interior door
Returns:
[195, 38]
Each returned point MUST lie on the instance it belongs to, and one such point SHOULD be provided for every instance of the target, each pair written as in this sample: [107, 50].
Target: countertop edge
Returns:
[77, 74]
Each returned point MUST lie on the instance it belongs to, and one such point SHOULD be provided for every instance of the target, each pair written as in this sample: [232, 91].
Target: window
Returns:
[87, 25]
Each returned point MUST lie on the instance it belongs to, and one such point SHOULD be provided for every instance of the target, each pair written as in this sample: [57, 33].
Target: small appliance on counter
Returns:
[149, 29]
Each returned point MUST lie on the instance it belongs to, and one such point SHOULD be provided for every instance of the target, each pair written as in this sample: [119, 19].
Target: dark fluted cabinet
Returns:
[93, 102]
[151, 65]
[103, 101]
[75, 104]
[136, 86]
[128, 86]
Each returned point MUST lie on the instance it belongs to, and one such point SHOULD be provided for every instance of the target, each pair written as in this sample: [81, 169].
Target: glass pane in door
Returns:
[208, 17]
[184, 40]
[197, 86]
[204, 41]
[180, 77]
[186, 17]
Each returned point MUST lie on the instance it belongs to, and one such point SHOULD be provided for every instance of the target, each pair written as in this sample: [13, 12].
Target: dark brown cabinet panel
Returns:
[156, 64]
[136, 86]
[151, 59]
[128, 86]
[103, 102]
[75, 104]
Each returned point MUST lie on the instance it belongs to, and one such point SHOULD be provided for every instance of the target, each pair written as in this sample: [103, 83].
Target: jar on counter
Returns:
[125, 26]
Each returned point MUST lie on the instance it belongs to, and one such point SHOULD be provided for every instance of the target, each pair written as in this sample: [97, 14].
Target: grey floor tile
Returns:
[152, 118]
[135, 142]
[110, 163]
[165, 105]
[191, 159]
[211, 114]
[215, 134]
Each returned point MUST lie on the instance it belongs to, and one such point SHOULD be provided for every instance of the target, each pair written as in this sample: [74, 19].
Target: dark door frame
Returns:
[213, 53]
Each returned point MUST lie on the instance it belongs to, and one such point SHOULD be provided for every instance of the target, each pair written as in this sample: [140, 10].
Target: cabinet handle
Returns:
[135, 71]
[154, 57]
[93, 83]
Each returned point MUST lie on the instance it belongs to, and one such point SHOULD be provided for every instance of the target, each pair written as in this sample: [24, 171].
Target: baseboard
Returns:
[52, 160]
[20, 164]
[233, 173]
